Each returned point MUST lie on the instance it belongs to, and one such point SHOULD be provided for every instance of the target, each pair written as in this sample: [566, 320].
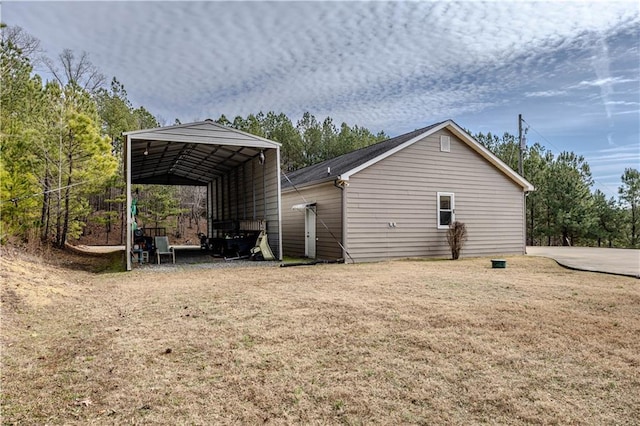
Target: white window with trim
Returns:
[446, 209]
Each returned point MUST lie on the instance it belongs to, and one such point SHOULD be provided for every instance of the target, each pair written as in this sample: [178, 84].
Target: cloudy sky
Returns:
[570, 68]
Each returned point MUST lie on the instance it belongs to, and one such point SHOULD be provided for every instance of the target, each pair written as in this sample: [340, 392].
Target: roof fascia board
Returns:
[205, 140]
[246, 134]
[163, 128]
[309, 184]
[154, 132]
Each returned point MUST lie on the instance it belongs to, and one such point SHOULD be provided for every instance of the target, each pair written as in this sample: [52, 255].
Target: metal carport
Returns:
[241, 172]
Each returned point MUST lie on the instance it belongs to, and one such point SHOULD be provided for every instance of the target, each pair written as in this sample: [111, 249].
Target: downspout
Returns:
[279, 200]
[129, 237]
[264, 190]
[342, 185]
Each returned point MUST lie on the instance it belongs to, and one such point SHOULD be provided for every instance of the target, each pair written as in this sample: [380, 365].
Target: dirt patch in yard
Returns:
[417, 342]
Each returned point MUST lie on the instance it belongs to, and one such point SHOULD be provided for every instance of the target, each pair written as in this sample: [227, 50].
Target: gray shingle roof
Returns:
[349, 161]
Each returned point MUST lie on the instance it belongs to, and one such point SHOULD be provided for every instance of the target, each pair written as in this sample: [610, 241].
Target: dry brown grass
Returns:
[413, 342]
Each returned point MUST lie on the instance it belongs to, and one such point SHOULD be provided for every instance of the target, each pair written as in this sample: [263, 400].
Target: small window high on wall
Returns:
[446, 209]
[445, 143]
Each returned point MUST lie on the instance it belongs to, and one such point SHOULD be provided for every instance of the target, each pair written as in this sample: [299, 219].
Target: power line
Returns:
[16, 199]
[542, 136]
[560, 150]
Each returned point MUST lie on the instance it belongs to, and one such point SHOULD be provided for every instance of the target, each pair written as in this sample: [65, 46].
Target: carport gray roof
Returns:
[190, 154]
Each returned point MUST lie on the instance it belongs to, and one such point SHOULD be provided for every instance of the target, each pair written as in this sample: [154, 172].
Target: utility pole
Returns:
[520, 146]
[521, 171]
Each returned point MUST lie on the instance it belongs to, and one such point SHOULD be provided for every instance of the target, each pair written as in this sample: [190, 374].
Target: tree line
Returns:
[563, 210]
[309, 141]
[61, 152]
[61, 162]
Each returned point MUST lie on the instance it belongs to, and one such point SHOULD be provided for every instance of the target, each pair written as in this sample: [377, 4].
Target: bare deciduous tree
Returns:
[79, 71]
[28, 45]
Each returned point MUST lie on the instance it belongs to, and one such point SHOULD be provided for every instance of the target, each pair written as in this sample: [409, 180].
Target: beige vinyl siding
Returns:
[402, 189]
[240, 195]
[292, 225]
[328, 201]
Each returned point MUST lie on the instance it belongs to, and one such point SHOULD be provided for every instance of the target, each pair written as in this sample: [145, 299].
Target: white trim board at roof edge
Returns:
[462, 135]
[205, 132]
[192, 153]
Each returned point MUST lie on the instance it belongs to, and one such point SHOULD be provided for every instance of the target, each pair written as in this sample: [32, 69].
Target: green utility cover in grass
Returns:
[498, 263]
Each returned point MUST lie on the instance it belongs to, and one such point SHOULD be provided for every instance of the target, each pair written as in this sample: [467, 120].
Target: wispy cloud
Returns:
[604, 82]
[208, 57]
[393, 66]
[624, 150]
[546, 93]
[622, 103]
[628, 112]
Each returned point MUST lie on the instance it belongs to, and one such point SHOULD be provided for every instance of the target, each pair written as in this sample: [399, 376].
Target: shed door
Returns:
[310, 232]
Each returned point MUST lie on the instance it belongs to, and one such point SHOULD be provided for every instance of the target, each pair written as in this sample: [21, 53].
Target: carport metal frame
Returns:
[202, 154]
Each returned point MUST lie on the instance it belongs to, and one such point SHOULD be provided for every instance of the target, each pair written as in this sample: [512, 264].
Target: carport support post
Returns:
[279, 201]
[210, 195]
[127, 249]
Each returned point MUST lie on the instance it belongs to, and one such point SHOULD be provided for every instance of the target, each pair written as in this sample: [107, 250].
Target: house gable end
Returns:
[461, 135]
[421, 136]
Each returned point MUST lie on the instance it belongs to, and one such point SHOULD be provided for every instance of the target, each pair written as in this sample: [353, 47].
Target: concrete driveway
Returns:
[594, 259]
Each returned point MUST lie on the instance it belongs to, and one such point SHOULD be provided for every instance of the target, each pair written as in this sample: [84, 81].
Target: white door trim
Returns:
[310, 232]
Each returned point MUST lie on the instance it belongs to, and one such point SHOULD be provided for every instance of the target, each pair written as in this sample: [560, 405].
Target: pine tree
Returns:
[629, 193]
